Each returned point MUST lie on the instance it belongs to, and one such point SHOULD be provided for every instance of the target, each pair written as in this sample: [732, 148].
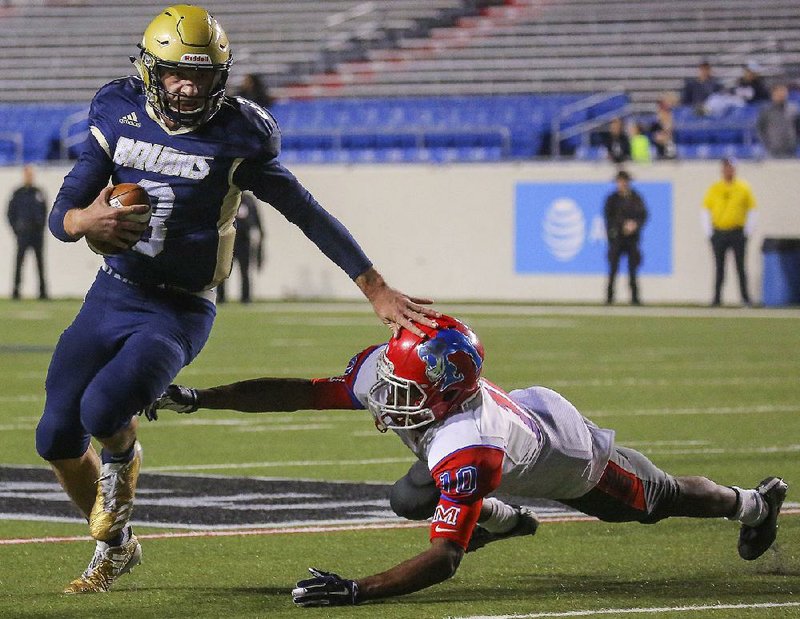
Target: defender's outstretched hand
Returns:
[325, 589]
[176, 398]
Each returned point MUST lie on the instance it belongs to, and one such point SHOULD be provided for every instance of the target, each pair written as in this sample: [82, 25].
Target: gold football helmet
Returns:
[184, 38]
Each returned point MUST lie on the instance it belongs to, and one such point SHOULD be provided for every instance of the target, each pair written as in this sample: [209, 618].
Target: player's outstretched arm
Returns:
[257, 395]
[435, 565]
[393, 307]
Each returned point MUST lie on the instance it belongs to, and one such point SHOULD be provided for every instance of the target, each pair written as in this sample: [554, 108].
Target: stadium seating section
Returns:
[414, 80]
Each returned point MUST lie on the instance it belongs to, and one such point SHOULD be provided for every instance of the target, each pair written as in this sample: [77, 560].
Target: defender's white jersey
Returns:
[549, 450]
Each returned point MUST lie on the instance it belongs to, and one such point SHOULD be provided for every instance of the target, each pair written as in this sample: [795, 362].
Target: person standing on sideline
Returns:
[27, 214]
[248, 225]
[728, 219]
[625, 215]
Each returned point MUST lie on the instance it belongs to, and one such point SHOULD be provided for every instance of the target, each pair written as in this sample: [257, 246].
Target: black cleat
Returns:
[527, 524]
[754, 541]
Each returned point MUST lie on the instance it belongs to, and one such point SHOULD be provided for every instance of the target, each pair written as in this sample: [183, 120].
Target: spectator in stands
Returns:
[750, 87]
[618, 146]
[640, 143]
[27, 214]
[728, 220]
[625, 215]
[698, 89]
[662, 131]
[249, 244]
[253, 88]
[778, 124]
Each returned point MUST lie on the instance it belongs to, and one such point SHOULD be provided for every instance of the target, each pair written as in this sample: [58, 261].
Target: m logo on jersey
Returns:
[160, 159]
[130, 119]
[448, 516]
[436, 355]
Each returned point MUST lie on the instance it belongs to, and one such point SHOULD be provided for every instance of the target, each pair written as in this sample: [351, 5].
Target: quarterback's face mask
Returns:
[184, 62]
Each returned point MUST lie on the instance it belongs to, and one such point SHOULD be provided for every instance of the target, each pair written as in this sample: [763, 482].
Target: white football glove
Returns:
[176, 398]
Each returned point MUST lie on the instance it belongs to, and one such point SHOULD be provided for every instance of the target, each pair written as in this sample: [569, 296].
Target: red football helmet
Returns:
[422, 379]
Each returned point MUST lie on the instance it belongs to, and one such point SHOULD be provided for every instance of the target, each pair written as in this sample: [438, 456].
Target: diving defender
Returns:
[472, 438]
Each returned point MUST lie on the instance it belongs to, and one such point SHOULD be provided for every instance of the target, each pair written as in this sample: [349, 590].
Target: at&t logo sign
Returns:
[564, 229]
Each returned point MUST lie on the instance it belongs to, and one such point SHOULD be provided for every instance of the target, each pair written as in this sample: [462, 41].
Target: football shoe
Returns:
[114, 501]
[754, 541]
[107, 564]
[527, 524]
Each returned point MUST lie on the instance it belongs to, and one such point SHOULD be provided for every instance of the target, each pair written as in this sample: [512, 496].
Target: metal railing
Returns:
[747, 127]
[421, 136]
[17, 140]
[67, 141]
[362, 20]
[558, 135]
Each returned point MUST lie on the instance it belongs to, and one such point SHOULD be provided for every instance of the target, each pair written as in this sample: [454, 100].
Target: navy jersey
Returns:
[194, 178]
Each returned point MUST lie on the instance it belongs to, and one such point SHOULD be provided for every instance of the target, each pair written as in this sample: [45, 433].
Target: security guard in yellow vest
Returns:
[728, 220]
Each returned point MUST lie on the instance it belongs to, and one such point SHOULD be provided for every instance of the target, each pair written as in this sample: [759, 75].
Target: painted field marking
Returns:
[231, 465]
[794, 511]
[711, 410]
[689, 449]
[532, 310]
[233, 533]
[630, 611]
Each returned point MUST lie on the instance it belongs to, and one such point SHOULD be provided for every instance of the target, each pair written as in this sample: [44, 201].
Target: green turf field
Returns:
[699, 391]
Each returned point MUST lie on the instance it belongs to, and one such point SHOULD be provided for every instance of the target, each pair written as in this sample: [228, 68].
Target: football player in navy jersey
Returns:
[471, 438]
[148, 313]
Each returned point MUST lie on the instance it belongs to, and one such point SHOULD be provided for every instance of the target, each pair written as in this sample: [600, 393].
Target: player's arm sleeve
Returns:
[607, 209]
[750, 222]
[464, 478]
[268, 395]
[89, 174]
[642, 211]
[705, 222]
[339, 392]
[272, 182]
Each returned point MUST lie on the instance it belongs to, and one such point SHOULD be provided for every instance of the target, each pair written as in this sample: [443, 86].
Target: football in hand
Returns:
[124, 194]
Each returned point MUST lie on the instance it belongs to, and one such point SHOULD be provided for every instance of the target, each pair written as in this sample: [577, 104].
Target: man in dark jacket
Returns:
[625, 215]
[27, 214]
[248, 226]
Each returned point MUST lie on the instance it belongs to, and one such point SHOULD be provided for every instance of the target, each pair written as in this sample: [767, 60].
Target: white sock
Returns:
[502, 517]
[751, 508]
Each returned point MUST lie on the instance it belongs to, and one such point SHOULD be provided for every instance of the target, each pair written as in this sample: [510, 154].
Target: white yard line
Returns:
[711, 410]
[792, 510]
[636, 611]
[276, 463]
[501, 309]
[267, 422]
[691, 447]
[236, 533]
